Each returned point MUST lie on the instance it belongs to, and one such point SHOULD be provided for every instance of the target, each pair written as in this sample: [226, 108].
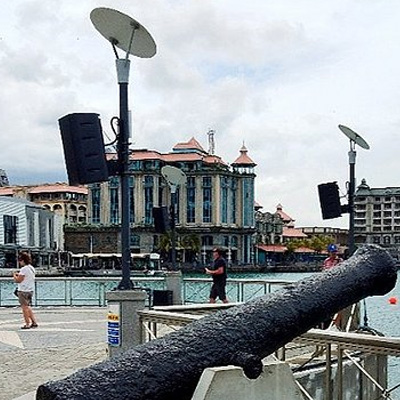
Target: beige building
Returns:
[377, 216]
[214, 208]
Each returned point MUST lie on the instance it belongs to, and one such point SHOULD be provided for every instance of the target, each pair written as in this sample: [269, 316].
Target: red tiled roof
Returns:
[5, 191]
[293, 233]
[58, 188]
[171, 157]
[191, 144]
[304, 250]
[145, 155]
[283, 215]
[244, 159]
[272, 248]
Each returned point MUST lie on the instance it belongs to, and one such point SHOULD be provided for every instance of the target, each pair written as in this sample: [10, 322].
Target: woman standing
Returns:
[26, 286]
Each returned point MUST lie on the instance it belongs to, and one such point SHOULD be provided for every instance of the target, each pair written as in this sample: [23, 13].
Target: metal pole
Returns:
[173, 232]
[123, 159]
[352, 164]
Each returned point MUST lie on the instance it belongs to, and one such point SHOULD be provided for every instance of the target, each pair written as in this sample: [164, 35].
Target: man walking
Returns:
[219, 275]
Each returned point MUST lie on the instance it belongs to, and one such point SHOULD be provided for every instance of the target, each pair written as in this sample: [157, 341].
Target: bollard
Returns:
[123, 321]
[173, 281]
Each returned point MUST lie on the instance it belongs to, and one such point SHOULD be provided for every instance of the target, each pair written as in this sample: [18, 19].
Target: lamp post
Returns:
[127, 34]
[174, 177]
[355, 138]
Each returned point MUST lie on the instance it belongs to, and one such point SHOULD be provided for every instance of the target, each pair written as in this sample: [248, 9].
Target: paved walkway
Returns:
[67, 339]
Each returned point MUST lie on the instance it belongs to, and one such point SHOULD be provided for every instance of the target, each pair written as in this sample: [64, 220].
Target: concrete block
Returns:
[275, 382]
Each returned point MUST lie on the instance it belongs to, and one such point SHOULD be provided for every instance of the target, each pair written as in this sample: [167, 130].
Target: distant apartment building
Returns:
[377, 216]
[24, 226]
[68, 203]
[339, 235]
[216, 205]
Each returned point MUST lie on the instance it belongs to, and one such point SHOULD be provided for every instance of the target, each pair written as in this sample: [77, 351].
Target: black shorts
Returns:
[218, 290]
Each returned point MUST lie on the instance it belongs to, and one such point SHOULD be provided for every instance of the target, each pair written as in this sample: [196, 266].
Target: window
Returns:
[95, 193]
[191, 200]
[10, 223]
[376, 239]
[233, 200]
[207, 199]
[148, 199]
[135, 240]
[114, 201]
[131, 200]
[206, 240]
[224, 199]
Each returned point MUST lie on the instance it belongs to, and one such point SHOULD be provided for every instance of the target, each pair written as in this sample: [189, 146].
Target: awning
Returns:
[272, 248]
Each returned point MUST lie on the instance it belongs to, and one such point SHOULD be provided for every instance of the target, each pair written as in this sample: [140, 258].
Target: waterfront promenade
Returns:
[67, 339]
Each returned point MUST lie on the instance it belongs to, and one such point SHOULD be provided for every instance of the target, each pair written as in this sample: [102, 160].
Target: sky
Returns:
[278, 76]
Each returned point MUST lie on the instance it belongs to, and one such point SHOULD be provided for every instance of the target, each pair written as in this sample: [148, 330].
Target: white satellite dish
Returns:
[355, 137]
[124, 32]
[174, 176]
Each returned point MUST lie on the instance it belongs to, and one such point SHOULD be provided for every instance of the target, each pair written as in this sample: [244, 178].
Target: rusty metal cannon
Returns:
[170, 367]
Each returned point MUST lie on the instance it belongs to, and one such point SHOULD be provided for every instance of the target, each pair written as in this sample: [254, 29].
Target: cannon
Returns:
[169, 368]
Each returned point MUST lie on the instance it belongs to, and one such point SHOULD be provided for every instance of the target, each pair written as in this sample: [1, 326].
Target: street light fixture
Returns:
[355, 138]
[174, 177]
[127, 34]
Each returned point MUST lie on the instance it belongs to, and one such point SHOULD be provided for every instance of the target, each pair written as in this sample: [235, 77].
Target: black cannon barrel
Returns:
[170, 367]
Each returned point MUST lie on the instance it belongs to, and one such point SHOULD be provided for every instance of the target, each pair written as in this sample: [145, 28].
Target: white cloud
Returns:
[279, 76]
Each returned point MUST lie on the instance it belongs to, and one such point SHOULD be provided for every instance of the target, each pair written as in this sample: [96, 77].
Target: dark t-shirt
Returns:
[219, 262]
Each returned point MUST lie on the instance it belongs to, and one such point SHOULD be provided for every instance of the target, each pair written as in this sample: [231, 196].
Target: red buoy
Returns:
[393, 300]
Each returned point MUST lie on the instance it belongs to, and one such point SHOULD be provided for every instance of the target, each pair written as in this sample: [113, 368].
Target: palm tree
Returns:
[191, 244]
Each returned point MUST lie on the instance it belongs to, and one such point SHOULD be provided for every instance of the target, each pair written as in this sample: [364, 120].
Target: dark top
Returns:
[219, 262]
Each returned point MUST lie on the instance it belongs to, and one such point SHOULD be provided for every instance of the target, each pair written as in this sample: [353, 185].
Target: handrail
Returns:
[347, 340]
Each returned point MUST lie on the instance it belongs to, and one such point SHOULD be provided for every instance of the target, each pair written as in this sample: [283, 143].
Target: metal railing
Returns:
[90, 291]
[335, 348]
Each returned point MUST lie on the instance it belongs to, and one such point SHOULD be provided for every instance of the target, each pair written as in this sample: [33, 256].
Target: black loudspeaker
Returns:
[330, 200]
[161, 219]
[162, 298]
[83, 143]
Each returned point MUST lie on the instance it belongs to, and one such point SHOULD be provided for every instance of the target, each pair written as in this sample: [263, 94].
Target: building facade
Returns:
[215, 206]
[24, 226]
[68, 203]
[377, 216]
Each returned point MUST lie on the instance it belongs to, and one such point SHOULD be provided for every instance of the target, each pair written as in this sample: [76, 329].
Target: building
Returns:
[214, 208]
[339, 235]
[377, 216]
[25, 226]
[69, 203]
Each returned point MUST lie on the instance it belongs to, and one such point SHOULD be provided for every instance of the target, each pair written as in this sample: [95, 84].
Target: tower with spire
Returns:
[244, 164]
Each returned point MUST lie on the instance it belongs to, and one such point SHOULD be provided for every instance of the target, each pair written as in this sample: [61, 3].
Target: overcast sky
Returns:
[277, 75]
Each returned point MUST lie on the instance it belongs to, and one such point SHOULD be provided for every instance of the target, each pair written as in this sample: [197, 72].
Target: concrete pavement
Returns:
[67, 339]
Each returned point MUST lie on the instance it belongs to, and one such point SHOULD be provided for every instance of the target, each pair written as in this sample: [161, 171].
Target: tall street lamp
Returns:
[355, 138]
[127, 34]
